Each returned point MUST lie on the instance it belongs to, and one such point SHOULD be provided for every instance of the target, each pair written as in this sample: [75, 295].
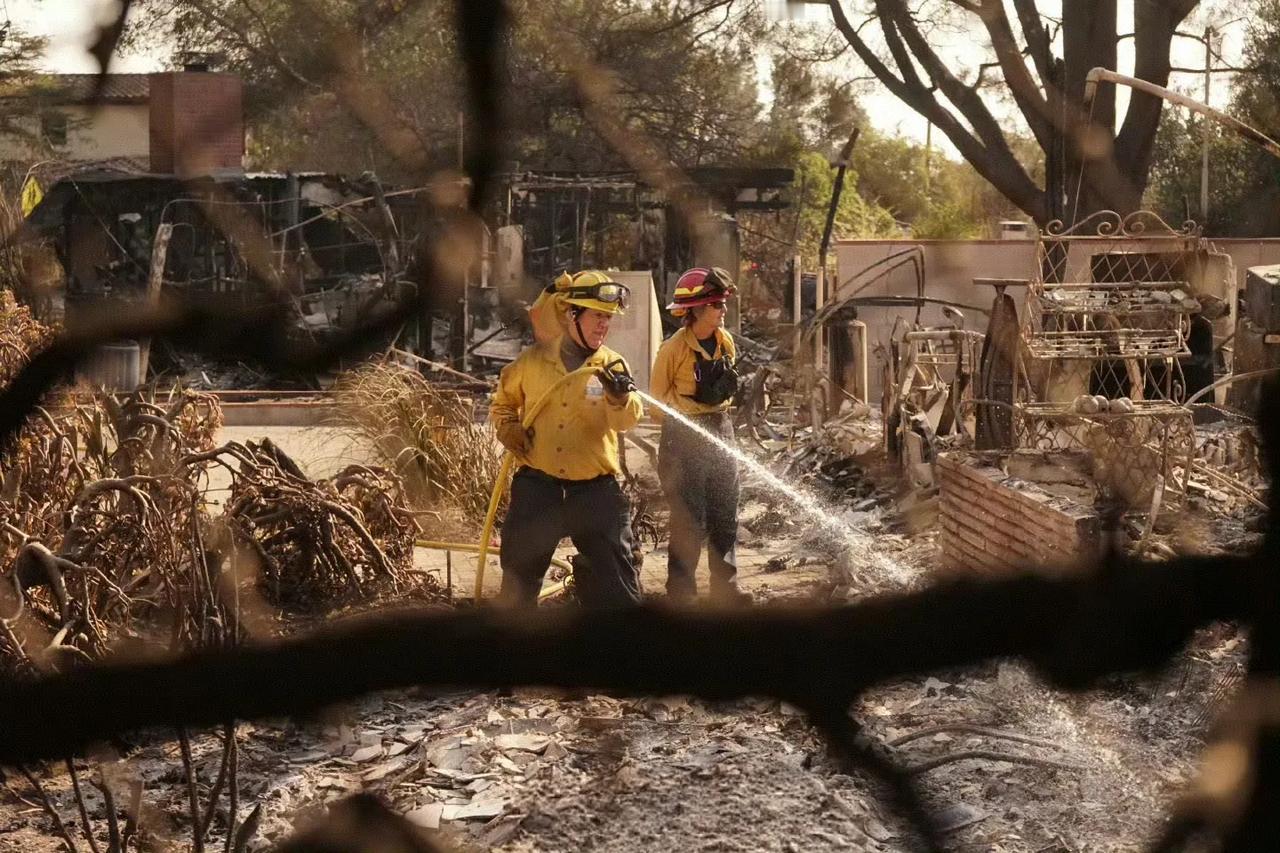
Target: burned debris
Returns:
[986, 452]
[1077, 398]
[338, 248]
[189, 634]
[332, 251]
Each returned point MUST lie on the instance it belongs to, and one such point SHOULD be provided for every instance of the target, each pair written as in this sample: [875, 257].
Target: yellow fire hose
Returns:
[500, 487]
[434, 545]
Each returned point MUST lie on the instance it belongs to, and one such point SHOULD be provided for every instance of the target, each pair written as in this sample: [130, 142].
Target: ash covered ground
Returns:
[1005, 762]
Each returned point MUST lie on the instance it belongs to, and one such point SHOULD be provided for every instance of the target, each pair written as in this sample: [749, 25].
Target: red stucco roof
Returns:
[119, 88]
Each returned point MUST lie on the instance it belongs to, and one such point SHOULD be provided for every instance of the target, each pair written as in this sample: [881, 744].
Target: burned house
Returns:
[334, 247]
[193, 224]
[338, 247]
[108, 228]
[186, 220]
[562, 220]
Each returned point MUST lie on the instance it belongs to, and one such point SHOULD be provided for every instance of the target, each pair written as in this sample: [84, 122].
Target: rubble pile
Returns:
[1005, 762]
[1227, 472]
[537, 771]
[196, 371]
[842, 479]
[832, 463]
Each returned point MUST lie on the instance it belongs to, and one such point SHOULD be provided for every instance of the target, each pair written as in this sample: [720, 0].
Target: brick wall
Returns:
[197, 123]
[989, 524]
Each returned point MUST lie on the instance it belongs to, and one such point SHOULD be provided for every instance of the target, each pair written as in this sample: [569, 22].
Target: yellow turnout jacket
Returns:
[575, 435]
[671, 379]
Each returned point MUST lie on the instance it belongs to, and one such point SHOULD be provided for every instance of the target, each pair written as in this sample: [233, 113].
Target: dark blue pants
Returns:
[595, 514]
[701, 484]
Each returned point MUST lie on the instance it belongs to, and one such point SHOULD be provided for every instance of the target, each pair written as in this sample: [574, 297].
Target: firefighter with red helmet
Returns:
[694, 374]
[567, 482]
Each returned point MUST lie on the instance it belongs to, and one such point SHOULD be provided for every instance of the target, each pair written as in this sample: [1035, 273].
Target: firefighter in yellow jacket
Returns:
[694, 374]
[567, 480]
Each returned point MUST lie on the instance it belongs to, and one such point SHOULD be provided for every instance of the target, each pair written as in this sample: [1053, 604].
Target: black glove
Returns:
[714, 381]
[617, 380]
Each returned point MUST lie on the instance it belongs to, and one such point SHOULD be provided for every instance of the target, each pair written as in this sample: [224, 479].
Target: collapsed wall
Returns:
[995, 522]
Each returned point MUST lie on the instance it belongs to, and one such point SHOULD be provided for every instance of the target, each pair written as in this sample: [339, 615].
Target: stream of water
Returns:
[858, 545]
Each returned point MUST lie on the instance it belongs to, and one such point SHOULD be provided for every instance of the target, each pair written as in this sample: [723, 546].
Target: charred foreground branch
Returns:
[1128, 616]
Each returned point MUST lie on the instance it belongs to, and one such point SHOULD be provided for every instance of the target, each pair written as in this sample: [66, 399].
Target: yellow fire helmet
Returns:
[592, 289]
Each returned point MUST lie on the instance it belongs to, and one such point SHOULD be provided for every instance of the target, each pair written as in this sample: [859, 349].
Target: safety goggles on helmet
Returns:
[608, 292]
[719, 280]
[701, 286]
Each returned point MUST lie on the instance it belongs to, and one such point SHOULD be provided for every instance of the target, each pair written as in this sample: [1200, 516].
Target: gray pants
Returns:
[701, 485]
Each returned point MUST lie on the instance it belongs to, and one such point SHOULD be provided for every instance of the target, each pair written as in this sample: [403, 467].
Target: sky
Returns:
[69, 26]
[968, 49]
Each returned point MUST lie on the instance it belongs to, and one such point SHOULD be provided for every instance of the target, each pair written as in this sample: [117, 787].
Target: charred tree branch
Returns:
[856, 751]
[1128, 616]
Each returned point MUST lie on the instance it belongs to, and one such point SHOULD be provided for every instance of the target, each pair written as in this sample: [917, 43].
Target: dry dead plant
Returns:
[378, 495]
[425, 433]
[103, 524]
[315, 545]
[98, 525]
[21, 334]
[40, 474]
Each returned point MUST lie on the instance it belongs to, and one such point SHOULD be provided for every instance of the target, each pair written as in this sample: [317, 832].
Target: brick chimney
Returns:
[197, 123]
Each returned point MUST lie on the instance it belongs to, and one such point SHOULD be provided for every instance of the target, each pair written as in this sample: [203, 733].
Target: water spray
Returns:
[854, 544]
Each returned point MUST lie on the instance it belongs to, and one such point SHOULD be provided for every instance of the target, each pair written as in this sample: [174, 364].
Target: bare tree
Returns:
[1090, 163]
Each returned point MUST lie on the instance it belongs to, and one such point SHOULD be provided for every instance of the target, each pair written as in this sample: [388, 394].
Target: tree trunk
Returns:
[1089, 40]
[1056, 163]
[1154, 25]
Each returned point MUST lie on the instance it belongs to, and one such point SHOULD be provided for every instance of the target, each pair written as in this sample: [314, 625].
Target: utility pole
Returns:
[928, 152]
[1204, 148]
[462, 137]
